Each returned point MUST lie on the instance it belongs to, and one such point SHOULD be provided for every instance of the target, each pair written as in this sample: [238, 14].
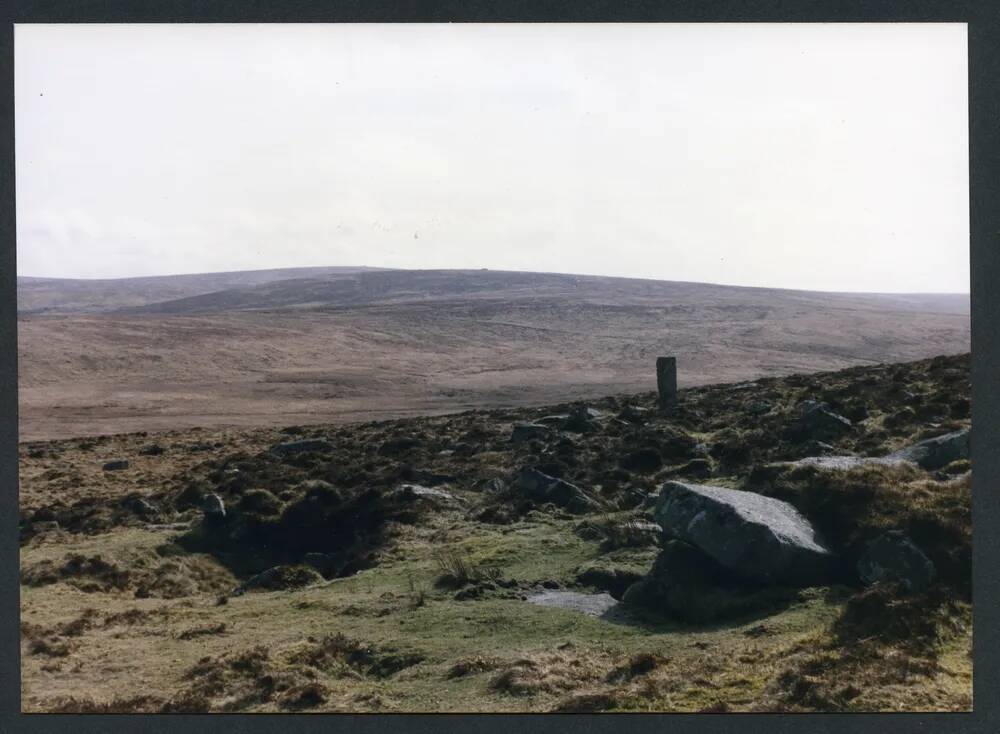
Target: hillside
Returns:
[412, 565]
[68, 295]
[348, 346]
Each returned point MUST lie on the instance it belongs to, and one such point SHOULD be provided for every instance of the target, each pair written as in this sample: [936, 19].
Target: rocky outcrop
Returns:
[542, 488]
[755, 537]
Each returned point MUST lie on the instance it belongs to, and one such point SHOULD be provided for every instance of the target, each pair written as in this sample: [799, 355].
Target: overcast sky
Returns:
[827, 157]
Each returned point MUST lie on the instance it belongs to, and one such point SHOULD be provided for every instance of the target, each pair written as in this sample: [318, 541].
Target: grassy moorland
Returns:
[387, 598]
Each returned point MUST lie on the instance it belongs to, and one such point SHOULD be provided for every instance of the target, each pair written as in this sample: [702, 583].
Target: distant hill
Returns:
[318, 345]
[366, 288]
[65, 295]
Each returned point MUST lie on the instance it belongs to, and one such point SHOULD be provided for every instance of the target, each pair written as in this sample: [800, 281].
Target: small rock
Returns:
[642, 461]
[493, 486]
[582, 420]
[116, 465]
[213, 507]
[399, 445]
[553, 420]
[528, 431]
[141, 507]
[634, 414]
[543, 488]
[300, 447]
[818, 422]
[892, 557]
[151, 450]
[414, 492]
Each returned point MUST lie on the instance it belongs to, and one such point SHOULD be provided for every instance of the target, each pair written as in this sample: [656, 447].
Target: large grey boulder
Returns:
[759, 538]
[687, 584]
[893, 557]
[542, 488]
[934, 453]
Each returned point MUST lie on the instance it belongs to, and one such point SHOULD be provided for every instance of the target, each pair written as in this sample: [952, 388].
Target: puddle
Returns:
[593, 605]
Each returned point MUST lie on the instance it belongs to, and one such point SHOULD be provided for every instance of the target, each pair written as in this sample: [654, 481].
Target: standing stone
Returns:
[666, 380]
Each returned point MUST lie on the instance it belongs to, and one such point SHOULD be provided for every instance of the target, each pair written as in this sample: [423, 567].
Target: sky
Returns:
[822, 157]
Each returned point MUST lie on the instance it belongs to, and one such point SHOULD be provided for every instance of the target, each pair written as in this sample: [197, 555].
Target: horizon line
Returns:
[379, 268]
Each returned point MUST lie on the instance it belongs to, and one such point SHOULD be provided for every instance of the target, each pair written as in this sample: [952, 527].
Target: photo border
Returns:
[984, 208]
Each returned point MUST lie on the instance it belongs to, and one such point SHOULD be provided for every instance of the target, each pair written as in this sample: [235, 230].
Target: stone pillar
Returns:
[666, 381]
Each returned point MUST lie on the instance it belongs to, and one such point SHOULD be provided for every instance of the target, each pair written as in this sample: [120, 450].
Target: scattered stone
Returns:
[400, 445]
[934, 453]
[642, 461]
[214, 508]
[151, 450]
[816, 421]
[493, 486]
[414, 492]
[893, 557]
[582, 420]
[756, 537]
[553, 420]
[632, 497]
[543, 488]
[528, 431]
[140, 506]
[634, 414]
[292, 448]
[428, 478]
[116, 465]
